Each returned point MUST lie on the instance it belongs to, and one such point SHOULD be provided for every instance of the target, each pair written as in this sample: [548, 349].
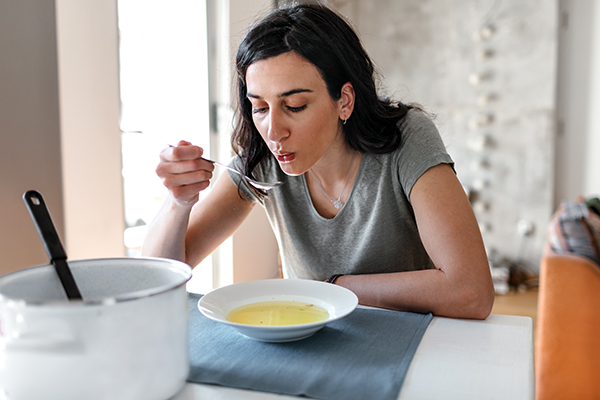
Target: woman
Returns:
[370, 201]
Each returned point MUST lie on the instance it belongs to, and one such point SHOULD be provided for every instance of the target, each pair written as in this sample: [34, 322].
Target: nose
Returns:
[277, 129]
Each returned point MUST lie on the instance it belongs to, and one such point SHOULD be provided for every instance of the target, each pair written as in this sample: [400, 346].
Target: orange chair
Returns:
[567, 350]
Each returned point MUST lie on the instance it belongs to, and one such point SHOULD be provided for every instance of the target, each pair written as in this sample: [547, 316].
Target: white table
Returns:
[456, 359]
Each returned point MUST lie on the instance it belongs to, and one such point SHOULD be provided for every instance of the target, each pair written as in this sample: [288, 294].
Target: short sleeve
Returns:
[243, 186]
[421, 148]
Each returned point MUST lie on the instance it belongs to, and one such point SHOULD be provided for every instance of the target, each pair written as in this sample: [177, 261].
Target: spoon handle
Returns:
[225, 166]
[45, 227]
[256, 184]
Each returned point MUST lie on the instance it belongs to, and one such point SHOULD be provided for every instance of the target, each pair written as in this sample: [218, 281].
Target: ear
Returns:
[346, 101]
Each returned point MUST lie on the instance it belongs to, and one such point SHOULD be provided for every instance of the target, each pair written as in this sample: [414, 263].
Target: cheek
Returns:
[259, 125]
[328, 123]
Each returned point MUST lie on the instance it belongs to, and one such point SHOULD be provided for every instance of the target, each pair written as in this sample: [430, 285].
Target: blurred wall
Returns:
[59, 113]
[577, 168]
[88, 60]
[487, 69]
[30, 153]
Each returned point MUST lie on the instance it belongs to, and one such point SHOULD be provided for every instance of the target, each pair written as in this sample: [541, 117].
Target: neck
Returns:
[334, 168]
[330, 191]
[336, 178]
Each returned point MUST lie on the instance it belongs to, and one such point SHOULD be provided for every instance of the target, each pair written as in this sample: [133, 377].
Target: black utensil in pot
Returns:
[54, 248]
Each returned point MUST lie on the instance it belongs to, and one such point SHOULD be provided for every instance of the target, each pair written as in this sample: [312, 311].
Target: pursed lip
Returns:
[284, 157]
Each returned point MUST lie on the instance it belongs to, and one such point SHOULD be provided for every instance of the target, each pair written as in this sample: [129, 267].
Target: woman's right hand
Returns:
[184, 172]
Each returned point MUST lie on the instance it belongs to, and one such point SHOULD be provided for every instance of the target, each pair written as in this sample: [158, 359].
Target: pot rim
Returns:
[182, 267]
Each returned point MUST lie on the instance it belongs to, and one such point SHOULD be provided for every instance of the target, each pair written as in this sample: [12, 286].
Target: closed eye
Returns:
[296, 109]
[259, 110]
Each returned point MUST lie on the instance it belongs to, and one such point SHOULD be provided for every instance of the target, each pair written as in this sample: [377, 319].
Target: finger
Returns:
[165, 168]
[183, 151]
[191, 178]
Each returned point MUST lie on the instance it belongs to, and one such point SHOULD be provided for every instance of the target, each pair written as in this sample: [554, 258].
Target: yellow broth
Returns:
[277, 313]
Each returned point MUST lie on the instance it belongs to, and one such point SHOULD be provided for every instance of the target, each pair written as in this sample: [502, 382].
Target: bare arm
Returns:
[461, 285]
[185, 229]
[214, 219]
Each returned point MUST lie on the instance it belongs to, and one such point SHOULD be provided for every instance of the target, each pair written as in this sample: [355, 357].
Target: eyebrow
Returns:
[285, 94]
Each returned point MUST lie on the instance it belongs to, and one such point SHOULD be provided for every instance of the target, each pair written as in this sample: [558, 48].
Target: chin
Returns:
[290, 170]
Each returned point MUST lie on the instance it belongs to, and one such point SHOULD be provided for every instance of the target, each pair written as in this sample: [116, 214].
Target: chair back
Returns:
[567, 349]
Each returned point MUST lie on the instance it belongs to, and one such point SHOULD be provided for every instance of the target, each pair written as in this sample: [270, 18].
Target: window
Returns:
[164, 98]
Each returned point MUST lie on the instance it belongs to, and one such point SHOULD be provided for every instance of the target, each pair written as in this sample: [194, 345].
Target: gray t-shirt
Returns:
[375, 231]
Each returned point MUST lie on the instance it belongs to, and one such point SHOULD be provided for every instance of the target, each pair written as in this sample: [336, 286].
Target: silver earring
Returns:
[345, 119]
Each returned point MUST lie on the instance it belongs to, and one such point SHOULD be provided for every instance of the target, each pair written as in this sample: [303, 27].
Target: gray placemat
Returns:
[362, 356]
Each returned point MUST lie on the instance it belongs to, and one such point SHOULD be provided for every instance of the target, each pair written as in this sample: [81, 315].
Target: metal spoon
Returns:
[45, 227]
[256, 184]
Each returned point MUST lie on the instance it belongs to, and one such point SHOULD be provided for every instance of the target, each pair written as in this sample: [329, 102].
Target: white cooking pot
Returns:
[126, 340]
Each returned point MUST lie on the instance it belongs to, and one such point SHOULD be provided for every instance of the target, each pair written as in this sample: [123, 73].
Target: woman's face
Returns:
[292, 110]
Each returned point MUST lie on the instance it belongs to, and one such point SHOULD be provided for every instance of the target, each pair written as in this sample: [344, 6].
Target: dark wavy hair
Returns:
[326, 40]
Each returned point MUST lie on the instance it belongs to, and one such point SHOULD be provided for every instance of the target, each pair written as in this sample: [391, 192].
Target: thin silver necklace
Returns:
[336, 203]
